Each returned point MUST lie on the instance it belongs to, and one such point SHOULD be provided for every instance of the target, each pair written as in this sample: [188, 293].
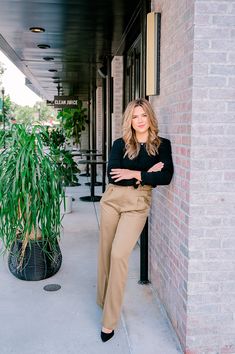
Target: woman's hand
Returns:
[118, 174]
[157, 167]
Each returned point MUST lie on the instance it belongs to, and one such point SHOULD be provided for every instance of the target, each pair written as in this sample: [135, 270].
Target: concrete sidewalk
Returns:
[67, 321]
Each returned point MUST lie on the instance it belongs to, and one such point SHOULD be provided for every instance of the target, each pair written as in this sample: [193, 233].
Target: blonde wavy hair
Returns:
[131, 144]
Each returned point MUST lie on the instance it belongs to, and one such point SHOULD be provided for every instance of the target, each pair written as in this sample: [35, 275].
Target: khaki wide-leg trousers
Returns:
[124, 211]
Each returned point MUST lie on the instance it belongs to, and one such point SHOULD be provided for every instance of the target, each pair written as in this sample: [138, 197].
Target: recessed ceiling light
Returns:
[48, 58]
[37, 29]
[44, 46]
[52, 70]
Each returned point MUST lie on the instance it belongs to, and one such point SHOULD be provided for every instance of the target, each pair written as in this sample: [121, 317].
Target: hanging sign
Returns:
[66, 102]
[50, 103]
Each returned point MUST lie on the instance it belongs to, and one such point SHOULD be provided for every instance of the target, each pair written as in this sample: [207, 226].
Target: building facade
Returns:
[192, 221]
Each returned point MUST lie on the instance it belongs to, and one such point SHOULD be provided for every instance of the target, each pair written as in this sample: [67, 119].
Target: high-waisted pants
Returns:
[124, 211]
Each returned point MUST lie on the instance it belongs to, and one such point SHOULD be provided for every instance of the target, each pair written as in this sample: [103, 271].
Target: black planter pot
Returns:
[37, 263]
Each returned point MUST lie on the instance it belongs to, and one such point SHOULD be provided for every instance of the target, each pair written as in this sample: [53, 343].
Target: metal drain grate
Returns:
[52, 287]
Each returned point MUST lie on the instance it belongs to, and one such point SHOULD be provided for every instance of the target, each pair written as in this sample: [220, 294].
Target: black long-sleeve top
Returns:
[142, 163]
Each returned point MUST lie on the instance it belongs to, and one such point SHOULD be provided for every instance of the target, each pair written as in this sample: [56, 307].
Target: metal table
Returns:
[89, 156]
[93, 163]
[87, 151]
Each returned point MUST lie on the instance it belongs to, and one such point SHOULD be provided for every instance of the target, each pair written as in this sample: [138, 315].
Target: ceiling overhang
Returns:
[80, 35]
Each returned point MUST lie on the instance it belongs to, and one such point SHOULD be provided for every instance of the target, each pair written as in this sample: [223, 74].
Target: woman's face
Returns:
[140, 121]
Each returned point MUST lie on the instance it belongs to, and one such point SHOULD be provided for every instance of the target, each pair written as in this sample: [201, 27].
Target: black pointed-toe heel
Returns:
[106, 336]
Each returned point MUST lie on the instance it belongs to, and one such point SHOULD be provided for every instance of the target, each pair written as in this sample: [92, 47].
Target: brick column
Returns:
[192, 233]
[211, 272]
[117, 74]
[99, 123]
[84, 134]
[169, 217]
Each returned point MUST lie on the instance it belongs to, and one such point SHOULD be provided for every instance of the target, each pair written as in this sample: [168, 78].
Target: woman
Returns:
[139, 161]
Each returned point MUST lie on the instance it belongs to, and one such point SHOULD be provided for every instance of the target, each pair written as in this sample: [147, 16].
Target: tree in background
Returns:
[44, 113]
[8, 110]
[23, 114]
[8, 104]
[39, 113]
[73, 121]
[13, 113]
[2, 69]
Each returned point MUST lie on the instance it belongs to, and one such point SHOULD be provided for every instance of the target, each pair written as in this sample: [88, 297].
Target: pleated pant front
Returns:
[124, 211]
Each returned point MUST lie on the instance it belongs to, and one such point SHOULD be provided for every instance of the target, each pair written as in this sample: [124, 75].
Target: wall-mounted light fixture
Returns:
[59, 88]
[153, 54]
[52, 70]
[37, 29]
[102, 72]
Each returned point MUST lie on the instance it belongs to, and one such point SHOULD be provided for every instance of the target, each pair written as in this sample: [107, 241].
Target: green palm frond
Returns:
[30, 189]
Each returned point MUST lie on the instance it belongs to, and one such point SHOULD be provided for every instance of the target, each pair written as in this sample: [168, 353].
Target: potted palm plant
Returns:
[73, 121]
[54, 140]
[30, 196]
